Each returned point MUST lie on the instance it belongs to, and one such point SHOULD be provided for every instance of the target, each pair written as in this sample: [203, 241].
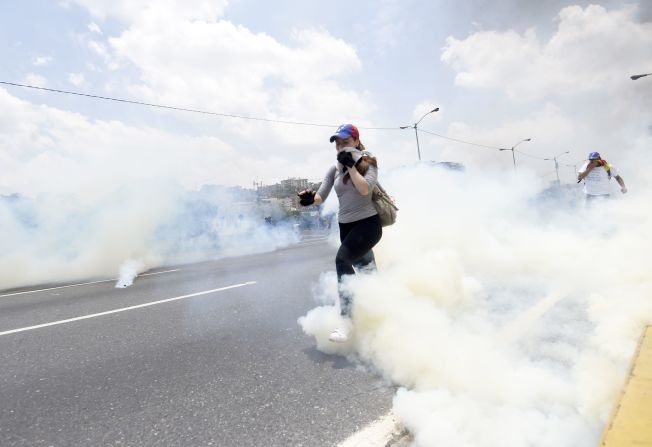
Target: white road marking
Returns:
[378, 433]
[124, 309]
[82, 284]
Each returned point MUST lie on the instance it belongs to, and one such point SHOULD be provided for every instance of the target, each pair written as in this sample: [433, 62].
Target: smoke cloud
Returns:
[136, 227]
[507, 311]
[128, 272]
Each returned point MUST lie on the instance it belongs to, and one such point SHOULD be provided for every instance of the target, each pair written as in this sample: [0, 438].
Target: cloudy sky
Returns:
[501, 71]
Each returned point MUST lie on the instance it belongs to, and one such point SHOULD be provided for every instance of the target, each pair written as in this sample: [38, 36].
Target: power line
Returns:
[459, 141]
[183, 109]
[230, 115]
[531, 156]
[479, 145]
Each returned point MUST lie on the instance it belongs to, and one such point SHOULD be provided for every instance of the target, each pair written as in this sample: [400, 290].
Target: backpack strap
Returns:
[607, 168]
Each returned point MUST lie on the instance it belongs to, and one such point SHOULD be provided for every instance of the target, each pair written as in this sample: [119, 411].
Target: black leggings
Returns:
[357, 239]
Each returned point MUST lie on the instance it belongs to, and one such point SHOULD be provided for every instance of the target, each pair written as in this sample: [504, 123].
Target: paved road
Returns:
[227, 368]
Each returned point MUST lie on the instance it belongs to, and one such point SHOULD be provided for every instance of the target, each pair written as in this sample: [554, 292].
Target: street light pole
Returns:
[416, 135]
[416, 132]
[635, 77]
[513, 148]
[557, 164]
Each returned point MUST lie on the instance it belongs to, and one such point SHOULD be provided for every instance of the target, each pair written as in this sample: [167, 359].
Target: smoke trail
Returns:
[508, 313]
[128, 271]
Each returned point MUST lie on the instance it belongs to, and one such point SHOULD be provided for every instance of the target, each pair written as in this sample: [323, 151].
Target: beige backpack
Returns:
[383, 202]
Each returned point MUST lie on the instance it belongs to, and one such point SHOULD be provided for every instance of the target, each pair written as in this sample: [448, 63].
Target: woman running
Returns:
[354, 177]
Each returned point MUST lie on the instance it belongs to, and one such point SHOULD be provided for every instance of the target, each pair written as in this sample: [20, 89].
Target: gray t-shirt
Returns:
[353, 205]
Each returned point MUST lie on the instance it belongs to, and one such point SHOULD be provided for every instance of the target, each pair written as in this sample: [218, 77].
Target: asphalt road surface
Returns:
[92, 365]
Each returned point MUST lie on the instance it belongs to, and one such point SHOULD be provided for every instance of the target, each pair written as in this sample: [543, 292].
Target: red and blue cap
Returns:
[346, 131]
[594, 156]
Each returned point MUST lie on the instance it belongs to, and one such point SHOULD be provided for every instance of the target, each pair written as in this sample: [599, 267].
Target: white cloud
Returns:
[34, 79]
[479, 64]
[42, 60]
[50, 150]
[100, 49]
[76, 79]
[184, 55]
[136, 10]
[229, 66]
[388, 24]
[94, 28]
[222, 67]
[592, 49]
[424, 107]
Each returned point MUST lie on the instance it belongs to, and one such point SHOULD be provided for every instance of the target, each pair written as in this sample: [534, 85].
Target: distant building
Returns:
[294, 184]
[285, 189]
[237, 193]
[282, 195]
[270, 190]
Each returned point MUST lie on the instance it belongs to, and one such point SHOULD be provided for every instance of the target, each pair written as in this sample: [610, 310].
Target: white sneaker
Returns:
[340, 334]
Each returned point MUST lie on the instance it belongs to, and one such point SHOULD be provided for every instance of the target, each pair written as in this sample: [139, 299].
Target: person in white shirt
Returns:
[596, 174]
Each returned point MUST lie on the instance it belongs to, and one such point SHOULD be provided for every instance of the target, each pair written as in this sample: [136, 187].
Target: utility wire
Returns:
[229, 115]
[459, 141]
[183, 109]
[531, 156]
[479, 145]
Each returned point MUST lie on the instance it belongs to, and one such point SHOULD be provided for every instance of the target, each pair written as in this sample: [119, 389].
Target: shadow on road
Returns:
[337, 361]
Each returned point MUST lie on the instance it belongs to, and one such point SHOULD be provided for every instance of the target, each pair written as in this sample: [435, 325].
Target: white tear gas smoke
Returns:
[128, 272]
[507, 312]
[319, 322]
[141, 226]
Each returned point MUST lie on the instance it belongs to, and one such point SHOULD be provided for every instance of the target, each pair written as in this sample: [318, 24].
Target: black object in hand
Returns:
[306, 198]
[346, 159]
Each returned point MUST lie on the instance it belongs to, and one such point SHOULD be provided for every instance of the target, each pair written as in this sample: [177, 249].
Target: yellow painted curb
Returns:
[631, 421]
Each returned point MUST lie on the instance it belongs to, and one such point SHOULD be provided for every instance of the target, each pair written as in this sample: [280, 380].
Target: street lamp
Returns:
[557, 164]
[635, 77]
[512, 149]
[416, 133]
